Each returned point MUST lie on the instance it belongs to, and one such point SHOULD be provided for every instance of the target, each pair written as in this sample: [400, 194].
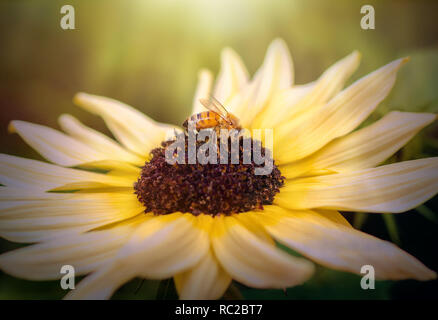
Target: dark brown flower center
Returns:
[211, 189]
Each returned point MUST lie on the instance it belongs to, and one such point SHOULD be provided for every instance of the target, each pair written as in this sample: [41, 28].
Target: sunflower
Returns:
[116, 211]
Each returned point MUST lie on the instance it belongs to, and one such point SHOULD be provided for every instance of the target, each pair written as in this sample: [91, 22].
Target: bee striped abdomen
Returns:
[205, 119]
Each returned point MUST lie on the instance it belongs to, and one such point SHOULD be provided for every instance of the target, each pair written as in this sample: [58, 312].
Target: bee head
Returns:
[234, 121]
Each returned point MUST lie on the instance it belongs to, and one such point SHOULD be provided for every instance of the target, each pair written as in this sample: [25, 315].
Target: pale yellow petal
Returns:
[333, 216]
[17, 193]
[239, 104]
[86, 252]
[286, 106]
[55, 146]
[365, 148]
[98, 141]
[115, 167]
[281, 103]
[32, 174]
[99, 285]
[277, 69]
[203, 90]
[137, 132]
[206, 280]
[252, 260]
[310, 131]
[339, 247]
[329, 84]
[40, 219]
[91, 187]
[275, 74]
[159, 248]
[396, 187]
[232, 77]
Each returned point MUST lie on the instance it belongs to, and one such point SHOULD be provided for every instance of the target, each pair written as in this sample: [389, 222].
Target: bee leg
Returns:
[217, 130]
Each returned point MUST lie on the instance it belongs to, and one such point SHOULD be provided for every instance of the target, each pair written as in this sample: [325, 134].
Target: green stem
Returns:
[359, 219]
[391, 225]
[427, 213]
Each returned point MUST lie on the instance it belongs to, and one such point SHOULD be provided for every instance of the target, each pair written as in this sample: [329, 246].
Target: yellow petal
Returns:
[159, 248]
[252, 260]
[15, 194]
[310, 131]
[281, 103]
[274, 75]
[339, 247]
[329, 84]
[99, 285]
[232, 77]
[86, 252]
[206, 280]
[133, 129]
[277, 69]
[203, 89]
[116, 167]
[333, 216]
[396, 187]
[55, 146]
[98, 141]
[287, 105]
[91, 187]
[365, 148]
[31, 174]
[35, 220]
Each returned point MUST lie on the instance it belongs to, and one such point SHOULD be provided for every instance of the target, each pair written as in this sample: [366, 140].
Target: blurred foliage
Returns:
[148, 53]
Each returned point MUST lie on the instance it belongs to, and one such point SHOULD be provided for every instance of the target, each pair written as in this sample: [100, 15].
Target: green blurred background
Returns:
[148, 53]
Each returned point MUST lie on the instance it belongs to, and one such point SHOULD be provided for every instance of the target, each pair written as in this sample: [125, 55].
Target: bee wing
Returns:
[215, 106]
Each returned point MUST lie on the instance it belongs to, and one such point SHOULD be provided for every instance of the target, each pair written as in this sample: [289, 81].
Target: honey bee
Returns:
[217, 117]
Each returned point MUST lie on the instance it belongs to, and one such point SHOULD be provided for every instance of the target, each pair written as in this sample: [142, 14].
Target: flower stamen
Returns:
[211, 189]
